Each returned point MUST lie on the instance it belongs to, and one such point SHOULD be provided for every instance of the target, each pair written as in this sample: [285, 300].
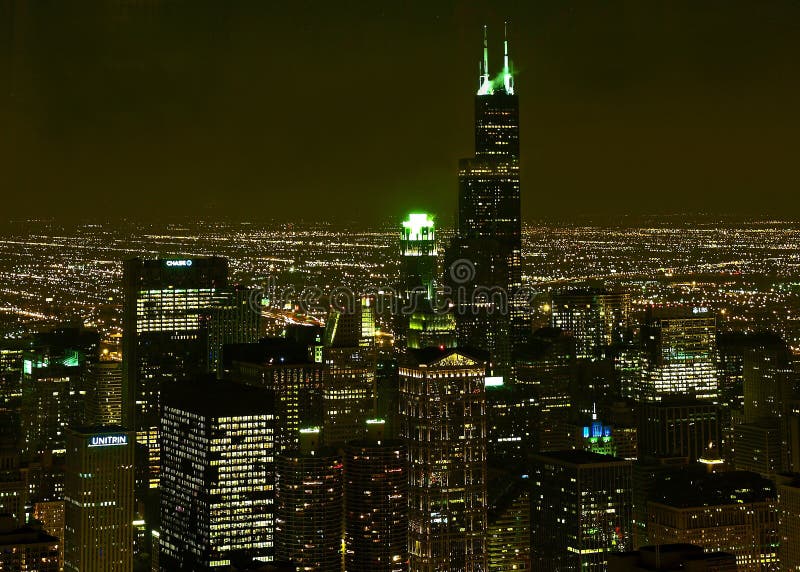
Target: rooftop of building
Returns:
[579, 457]
[434, 354]
[678, 312]
[12, 534]
[669, 556]
[694, 488]
[98, 429]
[209, 396]
[267, 351]
[746, 340]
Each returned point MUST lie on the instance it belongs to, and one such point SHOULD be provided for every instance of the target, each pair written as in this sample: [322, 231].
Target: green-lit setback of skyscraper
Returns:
[418, 256]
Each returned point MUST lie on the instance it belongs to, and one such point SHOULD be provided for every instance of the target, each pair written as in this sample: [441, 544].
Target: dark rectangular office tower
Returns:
[99, 500]
[166, 302]
[218, 475]
[580, 510]
[678, 427]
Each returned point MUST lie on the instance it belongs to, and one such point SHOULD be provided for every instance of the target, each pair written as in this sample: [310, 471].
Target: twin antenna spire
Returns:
[486, 84]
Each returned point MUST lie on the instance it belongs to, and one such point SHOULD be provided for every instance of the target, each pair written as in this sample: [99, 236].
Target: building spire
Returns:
[485, 87]
[508, 79]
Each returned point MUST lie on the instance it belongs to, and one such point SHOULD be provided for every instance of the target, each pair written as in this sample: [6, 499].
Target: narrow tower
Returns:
[490, 316]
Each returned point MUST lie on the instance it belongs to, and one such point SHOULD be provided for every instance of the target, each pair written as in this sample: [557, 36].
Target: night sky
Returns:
[344, 110]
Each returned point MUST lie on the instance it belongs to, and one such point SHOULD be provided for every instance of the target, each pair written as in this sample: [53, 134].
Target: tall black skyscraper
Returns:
[484, 263]
[167, 302]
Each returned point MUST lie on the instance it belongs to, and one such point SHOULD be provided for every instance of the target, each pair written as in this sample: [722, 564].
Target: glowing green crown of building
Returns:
[418, 226]
[504, 79]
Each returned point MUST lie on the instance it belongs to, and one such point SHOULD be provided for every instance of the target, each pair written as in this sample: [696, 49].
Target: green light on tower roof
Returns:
[485, 85]
[508, 79]
[418, 226]
[505, 79]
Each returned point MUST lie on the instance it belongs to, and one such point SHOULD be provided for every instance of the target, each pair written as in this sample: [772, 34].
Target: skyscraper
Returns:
[418, 321]
[349, 375]
[443, 423]
[99, 500]
[285, 368]
[679, 354]
[678, 427]
[580, 509]
[376, 509]
[309, 504]
[232, 320]
[508, 536]
[104, 393]
[767, 371]
[595, 317]
[418, 257]
[50, 379]
[484, 261]
[165, 308]
[218, 475]
[730, 511]
[789, 522]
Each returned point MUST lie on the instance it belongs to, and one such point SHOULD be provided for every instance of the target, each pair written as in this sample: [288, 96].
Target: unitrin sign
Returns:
[108, 440]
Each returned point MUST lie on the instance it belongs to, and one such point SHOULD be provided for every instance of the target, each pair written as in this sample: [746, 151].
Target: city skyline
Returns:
[408, 393]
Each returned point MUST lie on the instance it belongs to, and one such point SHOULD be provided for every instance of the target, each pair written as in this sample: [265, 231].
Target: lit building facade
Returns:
[309, 505]
[596, 318]
[418, 257]
[14, 488]
[679, 354]
[24, 549]
[285, 368]
[234, 318]
[376, 506]
[46, 409]
[767, 373]
[580, 510]
[508, 534]
[789, 523]
[672, 557]
[99, 500]
[166, 304]
[732, 512]
[104, 393]
[443, 424]
[350, 360]
[51, 515]
[217, 490]
[678, 427]
[758, 447]
[544, 373]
